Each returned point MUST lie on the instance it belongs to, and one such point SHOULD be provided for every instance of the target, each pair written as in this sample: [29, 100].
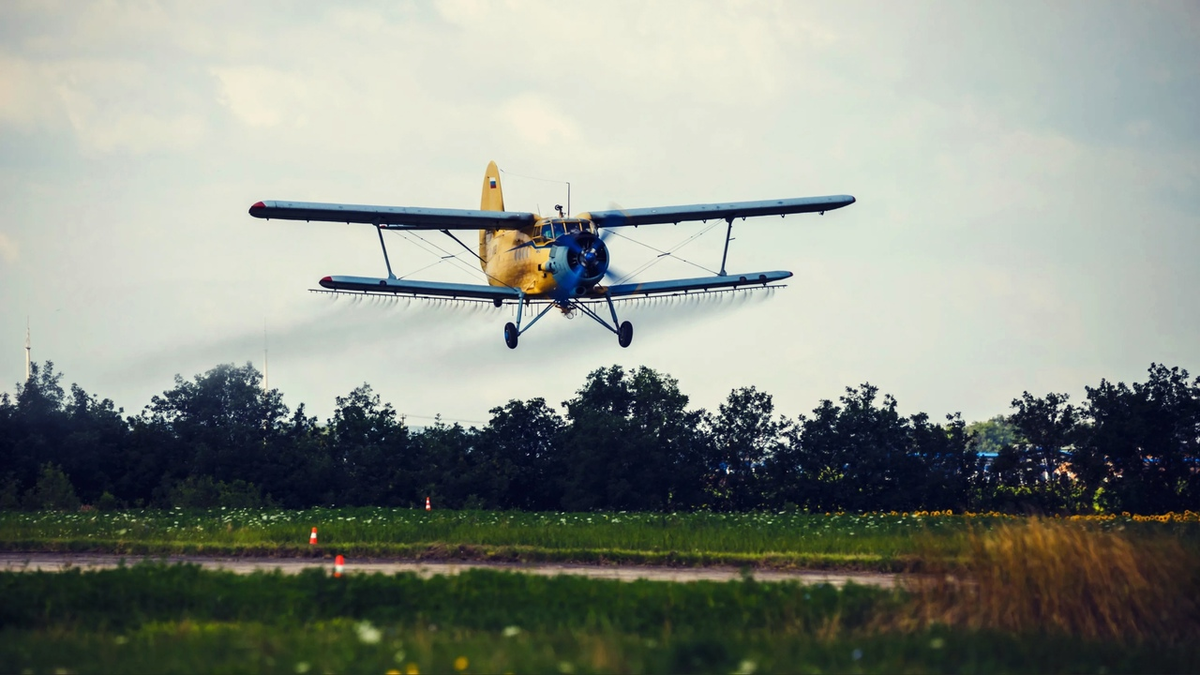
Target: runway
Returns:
[58, 562]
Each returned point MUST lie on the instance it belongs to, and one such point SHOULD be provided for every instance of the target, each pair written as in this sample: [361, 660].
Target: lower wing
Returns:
[436, 289]
[440, 289]
[697, 284]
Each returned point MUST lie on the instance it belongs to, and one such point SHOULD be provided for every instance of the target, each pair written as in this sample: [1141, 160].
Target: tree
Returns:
[443, 468]
[371, 446]
[856, 456]
[35, 424]
[1143, 443]
[745, 436]
[951, 466]
[1046, 429]
[632, 444]
[521, 455]
[225, 422]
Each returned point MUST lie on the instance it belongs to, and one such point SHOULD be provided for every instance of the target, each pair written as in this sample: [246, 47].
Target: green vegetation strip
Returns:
[883, 542]
[184, 619]
[472, 553]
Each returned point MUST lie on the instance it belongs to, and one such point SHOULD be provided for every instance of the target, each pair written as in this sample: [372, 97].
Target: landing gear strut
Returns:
[623, 329]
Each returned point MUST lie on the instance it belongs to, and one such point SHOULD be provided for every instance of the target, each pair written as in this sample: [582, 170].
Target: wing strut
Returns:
[728, 231]
[385, 255]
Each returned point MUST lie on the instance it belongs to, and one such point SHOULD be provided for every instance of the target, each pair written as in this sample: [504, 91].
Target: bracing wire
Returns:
[664, 254]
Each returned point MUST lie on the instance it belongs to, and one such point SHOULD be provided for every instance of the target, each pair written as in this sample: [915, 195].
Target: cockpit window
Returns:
[553, 229]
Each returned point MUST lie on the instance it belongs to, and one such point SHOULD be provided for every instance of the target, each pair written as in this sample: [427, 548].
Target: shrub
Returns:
[53, 491]
[202, 492]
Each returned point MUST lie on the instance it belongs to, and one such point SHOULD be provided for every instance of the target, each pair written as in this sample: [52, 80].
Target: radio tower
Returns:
[27, 346]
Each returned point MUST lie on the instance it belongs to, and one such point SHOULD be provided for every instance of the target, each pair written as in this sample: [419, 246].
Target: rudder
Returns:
[491, 200]
[493, 194]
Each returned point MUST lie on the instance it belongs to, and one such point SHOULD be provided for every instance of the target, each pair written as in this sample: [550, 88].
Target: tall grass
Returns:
[1042, 575]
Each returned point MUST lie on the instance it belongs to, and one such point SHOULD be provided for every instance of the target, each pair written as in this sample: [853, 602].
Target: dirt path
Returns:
[57, 562]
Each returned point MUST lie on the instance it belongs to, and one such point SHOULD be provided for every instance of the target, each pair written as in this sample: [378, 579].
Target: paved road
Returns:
[56, 562]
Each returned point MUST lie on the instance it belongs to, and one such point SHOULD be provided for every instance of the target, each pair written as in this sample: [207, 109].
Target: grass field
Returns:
[889, 542]
[154, 618]
[996, 594]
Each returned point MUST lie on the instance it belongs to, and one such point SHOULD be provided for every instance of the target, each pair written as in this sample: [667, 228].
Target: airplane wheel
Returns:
[510, 335]
[625, 334]
[497, 302]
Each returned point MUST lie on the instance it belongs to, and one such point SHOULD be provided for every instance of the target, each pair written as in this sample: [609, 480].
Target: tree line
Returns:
[627, 440]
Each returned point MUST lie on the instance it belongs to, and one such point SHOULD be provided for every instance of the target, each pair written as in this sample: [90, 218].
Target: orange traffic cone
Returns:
[338, 563]
[428, 506]
[312, 538]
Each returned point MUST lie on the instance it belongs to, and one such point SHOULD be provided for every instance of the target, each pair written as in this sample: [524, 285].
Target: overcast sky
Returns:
[1027, 176]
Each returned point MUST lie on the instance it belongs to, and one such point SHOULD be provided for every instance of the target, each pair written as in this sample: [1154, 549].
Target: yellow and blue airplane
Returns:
[531, 259]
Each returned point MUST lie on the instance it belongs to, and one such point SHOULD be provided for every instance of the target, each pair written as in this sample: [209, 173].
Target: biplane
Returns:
[544, 262]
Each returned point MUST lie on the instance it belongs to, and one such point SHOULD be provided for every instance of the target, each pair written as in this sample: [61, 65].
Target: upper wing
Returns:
[394, 217]
[420, 288]
[697, 284]
[676, 214]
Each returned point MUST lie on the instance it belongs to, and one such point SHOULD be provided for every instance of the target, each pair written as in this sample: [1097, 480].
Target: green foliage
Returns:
[53, 491]
[10, 493]
[627, 440]
[476, 599]
[107, 502]
[632, 444]
[202, 492]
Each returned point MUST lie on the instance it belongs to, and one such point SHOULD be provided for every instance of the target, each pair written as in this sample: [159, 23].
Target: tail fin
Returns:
[493, 194]
[492, 200]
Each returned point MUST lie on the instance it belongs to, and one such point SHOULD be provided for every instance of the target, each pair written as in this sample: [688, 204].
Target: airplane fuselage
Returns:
[558, 258]
[538, 260]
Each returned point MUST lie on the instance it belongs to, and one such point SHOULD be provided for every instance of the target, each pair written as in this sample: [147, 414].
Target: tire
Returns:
[510, 335]
[625, 334]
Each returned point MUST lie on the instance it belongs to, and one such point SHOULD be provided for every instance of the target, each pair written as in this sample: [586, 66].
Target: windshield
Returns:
[554, 228]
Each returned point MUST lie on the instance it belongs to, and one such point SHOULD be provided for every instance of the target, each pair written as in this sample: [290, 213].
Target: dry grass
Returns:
[1046, 576]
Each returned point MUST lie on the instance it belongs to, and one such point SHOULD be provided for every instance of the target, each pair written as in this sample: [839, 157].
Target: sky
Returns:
[1027, 177]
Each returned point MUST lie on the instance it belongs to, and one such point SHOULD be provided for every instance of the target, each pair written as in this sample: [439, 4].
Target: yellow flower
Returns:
[461, 663]
[412, 669]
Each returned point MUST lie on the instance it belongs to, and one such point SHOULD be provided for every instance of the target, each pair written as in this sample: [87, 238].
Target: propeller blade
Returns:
[614, 274]
[616, 220]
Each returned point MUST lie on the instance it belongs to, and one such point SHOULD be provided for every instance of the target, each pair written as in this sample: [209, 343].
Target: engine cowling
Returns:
[578, 262]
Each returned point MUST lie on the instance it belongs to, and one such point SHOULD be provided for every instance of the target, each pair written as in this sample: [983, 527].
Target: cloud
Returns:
[537, 119]
[26, 101]
[8, 249]
[109, 105]
[262, 97]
